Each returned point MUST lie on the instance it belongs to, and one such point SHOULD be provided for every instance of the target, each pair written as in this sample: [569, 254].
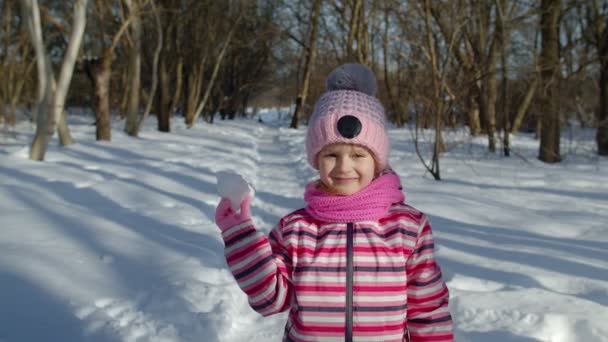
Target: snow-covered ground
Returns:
[115, 241]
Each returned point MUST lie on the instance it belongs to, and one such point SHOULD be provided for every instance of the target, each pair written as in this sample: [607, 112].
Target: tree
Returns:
[216, 68]
[310, 51]
[16, 62]
[52, 94]
[437, 102]
[596, 34]
[549, 150]
[99, 67]
[134, 74]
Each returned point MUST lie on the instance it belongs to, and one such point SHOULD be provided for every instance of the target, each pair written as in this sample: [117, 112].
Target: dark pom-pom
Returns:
[356, 77]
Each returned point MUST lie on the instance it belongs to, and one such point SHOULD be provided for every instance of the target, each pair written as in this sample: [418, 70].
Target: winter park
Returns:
[176, 171]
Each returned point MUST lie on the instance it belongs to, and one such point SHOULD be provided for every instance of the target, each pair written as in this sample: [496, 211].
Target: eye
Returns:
[358, 155]
[330, 155]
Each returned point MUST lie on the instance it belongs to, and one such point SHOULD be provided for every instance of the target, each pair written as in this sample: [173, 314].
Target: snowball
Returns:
[233, 186]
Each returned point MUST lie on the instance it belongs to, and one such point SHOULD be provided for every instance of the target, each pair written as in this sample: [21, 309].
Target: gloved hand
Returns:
[225, 217]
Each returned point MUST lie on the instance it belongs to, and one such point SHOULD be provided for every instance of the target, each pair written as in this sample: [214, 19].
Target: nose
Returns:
[343, 163]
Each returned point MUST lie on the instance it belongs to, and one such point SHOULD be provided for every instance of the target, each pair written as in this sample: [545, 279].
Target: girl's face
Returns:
[345, 168]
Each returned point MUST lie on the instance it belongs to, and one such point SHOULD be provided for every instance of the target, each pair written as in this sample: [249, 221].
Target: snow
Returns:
[115, 241]
[234, 187]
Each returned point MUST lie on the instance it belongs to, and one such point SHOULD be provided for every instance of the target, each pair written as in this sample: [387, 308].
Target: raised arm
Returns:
[259, 264]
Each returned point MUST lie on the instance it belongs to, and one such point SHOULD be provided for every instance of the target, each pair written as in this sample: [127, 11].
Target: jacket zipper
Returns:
[349, 282]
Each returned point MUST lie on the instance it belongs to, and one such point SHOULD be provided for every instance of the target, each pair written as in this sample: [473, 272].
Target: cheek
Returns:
[324, 168]
[368, 170]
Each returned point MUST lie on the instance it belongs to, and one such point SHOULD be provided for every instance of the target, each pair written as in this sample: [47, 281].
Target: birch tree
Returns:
[52, 94]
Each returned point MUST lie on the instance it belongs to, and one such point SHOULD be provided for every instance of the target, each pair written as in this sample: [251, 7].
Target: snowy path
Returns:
[279, 178]
[116, 241]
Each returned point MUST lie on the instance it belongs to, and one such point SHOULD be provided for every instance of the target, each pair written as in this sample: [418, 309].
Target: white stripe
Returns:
[381, 279]
[379, 319]
[295, 333]
[313, 278]
[378, 338]
[326, 299]
[308, 318]
[310, 242]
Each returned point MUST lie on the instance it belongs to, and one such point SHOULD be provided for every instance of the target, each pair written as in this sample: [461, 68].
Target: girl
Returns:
[357, 263]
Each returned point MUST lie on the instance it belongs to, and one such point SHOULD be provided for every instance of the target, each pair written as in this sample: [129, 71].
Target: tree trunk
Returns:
[362, 36]
[601, 136]
[194, 81]
[45, 126]
[394, 107]
[352, 28]
[310, 51]
[164, 98]
[100, 71]
[473, 114]
[523, 106]
[3, 117]
[155, 59]
[178, 86]
[549, 150]
[134, 77]
[491, 94]
[125, 80]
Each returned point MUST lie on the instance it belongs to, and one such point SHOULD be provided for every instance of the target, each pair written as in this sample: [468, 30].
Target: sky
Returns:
[116, 241]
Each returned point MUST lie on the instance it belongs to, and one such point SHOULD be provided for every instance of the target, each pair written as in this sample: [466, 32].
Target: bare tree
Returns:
[52, 100]
[436, 103]
[218, 62]
[99, 67]
[397, 111]
[16, 62]
[310, 50]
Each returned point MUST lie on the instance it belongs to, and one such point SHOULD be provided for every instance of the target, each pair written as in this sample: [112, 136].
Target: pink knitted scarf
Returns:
[370, 203]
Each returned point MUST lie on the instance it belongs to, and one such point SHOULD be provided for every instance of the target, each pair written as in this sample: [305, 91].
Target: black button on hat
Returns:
[349, 126]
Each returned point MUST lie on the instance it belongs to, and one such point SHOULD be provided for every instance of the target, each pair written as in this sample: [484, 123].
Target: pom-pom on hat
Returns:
[348, 112]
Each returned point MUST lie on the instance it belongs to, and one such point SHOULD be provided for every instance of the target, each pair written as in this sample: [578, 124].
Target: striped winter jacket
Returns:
[351, 281]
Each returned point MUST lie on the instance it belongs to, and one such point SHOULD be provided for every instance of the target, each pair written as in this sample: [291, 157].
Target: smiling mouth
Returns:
[344, 180]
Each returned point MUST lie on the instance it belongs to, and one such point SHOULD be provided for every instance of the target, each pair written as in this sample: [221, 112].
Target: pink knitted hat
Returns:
[349, 113]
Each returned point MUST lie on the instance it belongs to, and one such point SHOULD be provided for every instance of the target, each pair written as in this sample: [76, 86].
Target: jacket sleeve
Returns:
[429, 318]
[260, 265]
